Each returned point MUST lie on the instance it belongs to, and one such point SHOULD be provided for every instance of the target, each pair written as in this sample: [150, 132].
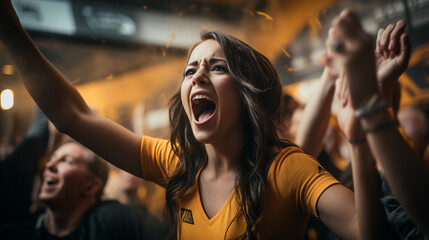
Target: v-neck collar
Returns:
[199, 204]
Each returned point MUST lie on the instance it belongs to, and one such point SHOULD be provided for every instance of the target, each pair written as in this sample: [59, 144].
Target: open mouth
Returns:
[203, 107]
[51, 181]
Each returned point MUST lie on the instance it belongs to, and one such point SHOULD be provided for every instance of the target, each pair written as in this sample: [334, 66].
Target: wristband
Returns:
[355, 141]
[374, 105]
[379, 127]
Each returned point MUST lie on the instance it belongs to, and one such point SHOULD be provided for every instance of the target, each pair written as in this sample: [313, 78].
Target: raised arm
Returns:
[372, 219]
[61, 102]
[407, 175]
[317, 112]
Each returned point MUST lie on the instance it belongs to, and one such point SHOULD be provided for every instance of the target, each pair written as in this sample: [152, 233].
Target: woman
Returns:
[226, 172]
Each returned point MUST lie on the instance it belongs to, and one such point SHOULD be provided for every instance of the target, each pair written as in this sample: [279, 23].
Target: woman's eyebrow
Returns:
[211, 61]
[214, 60]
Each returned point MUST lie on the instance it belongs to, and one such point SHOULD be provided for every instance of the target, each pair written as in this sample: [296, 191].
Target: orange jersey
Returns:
[295, 182]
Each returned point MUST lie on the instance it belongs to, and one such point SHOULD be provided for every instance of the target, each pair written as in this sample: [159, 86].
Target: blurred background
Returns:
[127, 55]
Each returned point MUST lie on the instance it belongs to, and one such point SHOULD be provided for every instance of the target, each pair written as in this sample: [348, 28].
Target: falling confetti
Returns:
[172, 37]
[267, 17]
[75, 81]
[189, 8]
[289, 69]
[110, 77]
[314, 25]
[8, 69]
[286, 53]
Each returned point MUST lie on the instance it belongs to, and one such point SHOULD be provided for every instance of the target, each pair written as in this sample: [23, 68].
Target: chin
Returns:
[203, 138]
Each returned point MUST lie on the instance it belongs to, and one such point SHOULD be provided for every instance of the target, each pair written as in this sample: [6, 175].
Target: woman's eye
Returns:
[189, 72]
[219, 68]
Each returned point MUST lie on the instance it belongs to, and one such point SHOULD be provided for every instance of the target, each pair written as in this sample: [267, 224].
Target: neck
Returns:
[224, 157]
[61, 221]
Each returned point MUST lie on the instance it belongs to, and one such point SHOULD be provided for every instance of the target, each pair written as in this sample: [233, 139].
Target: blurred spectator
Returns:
[18, 168]
[73, 181]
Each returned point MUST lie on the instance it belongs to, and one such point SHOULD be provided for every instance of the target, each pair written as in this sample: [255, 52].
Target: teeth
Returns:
[196, 97]
[50, 179]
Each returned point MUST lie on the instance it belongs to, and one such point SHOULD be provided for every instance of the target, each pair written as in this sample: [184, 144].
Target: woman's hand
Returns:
[392, 53]
[351, 52]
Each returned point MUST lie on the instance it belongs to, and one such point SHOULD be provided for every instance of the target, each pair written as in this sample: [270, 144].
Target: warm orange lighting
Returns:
[6, 99]
[8, 70]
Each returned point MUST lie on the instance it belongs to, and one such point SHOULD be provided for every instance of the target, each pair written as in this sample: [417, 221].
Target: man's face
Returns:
[65, 177]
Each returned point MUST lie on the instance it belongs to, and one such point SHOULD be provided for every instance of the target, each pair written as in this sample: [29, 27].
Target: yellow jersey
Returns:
[295, 182]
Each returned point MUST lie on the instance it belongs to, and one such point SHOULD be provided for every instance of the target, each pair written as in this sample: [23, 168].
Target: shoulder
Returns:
[109, 218]
[290, 158]
[24, 229]
[111, 208]
[292, 170]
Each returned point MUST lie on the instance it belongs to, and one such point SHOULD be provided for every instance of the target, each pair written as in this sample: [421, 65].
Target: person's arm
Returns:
[337, 210]
[315, 119]
[373, 223]
[358, 215]
[61, 102]
[406, 174]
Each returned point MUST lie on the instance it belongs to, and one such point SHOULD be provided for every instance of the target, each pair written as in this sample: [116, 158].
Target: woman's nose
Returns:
[200, 77]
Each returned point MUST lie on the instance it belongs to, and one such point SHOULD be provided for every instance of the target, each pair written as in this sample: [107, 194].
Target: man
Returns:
[73, 181]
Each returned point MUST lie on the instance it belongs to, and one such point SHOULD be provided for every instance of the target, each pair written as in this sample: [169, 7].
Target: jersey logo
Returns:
[320, 169]
[186, 216]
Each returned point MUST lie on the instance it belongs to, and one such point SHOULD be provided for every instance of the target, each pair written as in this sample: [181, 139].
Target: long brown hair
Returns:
[261, 93]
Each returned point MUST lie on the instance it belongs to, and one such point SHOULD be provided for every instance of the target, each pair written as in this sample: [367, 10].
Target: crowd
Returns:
[231, 169]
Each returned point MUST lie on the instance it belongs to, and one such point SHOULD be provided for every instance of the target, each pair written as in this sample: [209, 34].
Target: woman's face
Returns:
[209, 95]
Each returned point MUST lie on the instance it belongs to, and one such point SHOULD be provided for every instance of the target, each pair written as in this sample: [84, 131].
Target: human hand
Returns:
[351, 52]
[392, 55]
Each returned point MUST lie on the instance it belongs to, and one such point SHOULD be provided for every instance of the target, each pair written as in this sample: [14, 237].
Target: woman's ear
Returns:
[93, 187]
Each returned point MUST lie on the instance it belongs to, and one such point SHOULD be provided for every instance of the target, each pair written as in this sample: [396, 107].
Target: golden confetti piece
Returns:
[314, 25]
[110, 77]
[8, 69]
[164, 54]
[75, 81]
[103, 41]
[189, 8]
[172, 37]
[144, 7]
[267, 17]
[289, 69]
[286, 53]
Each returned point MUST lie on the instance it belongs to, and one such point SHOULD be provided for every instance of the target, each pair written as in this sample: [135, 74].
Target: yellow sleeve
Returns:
[157, 159]
[301, 179]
